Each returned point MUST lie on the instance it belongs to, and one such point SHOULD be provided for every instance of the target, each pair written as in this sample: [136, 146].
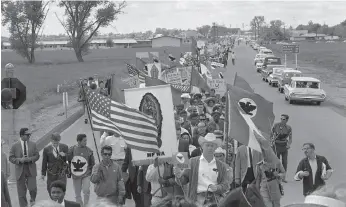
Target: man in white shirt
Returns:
[118, 145]
[207, 176]
[233, 58]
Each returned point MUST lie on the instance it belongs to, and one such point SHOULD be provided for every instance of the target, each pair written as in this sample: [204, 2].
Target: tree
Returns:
[85, 18]
[109, 43]
[204, 30]
[257, 22]
[24, 20]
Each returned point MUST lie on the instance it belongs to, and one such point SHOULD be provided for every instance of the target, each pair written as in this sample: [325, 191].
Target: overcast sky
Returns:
[148, 15]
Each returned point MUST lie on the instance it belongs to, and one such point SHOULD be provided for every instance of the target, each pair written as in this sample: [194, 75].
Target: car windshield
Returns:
[307, 84]
[290, 75]
[277, 71]
[268, 52]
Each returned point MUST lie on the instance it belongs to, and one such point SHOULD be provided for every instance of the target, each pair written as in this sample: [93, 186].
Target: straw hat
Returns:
[185, 95]
[209, 138]
[219, 150]
[210, 99]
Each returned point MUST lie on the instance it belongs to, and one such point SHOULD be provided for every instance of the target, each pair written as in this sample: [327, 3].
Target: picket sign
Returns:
[133, 81]
[65, 102]
[173, 77]
[218, 84]
[220, 65]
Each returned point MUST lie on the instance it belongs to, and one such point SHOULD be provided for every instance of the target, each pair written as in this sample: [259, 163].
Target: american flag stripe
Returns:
[138, 129]
[183, 88]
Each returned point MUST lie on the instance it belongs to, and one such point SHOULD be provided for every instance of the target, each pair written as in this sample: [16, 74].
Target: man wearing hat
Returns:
[185, 99]
[207, 176]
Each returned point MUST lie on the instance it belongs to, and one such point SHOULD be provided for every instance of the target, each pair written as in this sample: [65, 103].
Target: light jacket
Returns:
[108, 180]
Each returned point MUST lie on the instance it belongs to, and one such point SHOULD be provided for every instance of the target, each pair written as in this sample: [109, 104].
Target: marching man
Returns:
[81, 160]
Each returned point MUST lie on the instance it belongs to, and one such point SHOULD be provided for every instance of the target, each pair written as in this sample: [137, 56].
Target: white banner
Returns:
[219, 85]
[159, 99]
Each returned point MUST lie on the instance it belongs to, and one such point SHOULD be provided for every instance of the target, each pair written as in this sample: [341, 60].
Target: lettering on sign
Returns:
[290, 48]
[220, 65]
[219, 85]
[173, 77]
[158, 154]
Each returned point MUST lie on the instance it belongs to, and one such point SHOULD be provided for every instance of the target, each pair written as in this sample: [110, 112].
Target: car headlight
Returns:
[323, 96]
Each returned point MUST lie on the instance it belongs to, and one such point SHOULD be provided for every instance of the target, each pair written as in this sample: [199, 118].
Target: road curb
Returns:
[45, 139]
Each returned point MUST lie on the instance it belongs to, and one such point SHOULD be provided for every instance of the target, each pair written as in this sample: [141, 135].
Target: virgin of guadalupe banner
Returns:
[133, 82]
[154, 70]
[155, 101]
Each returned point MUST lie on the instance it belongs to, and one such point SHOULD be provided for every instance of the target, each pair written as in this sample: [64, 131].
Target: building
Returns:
[117, 43]
[308, 36]
[166, 41]
[142, 44]
[297, 33]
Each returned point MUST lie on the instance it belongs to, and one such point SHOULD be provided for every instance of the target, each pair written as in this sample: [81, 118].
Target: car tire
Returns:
[290, 101]
[263, 79]
[266, 80]
[286, 99]
[281, 90]
[318, 103]
[270, 83]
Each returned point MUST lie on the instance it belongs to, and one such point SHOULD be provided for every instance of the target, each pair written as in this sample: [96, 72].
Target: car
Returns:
[304, 89]
[259, 66]
[273, 78]
[266, 71]
[266, 51]
[259, 57]
[285, 78]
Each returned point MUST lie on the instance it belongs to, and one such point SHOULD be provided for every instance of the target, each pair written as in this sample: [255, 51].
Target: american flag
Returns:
[135, 72]
[138, 129]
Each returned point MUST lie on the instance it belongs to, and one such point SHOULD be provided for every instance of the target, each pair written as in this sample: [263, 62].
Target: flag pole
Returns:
[90, 120]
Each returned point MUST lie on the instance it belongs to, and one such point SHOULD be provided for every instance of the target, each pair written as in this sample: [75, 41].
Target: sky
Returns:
[148, 15]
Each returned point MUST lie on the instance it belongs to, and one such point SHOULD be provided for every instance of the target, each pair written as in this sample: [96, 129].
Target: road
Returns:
[67, 137]
[317, 124]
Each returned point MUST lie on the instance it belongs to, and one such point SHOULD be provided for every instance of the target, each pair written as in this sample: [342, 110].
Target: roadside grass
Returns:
[55, 67]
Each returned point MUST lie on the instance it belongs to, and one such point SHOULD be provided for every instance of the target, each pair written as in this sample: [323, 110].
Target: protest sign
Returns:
[219, 65]
[173, 76]
[157, 102]
[218, 84]
[133, 82]
[181, 160]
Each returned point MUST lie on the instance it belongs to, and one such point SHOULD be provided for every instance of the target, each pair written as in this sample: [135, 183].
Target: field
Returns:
[55, 67]
[325, 61]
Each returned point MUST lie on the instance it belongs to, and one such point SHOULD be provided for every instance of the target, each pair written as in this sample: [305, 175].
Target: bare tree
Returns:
[257, 22]
[85, 18]
[24, 20]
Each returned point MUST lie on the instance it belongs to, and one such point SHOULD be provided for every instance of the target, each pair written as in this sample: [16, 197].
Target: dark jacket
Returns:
[48, 158]
[142, 181]
[127, 165]
[308, 185]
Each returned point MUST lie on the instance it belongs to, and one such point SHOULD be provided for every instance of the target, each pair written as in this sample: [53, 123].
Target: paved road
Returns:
[68, 137]
[317, 124]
